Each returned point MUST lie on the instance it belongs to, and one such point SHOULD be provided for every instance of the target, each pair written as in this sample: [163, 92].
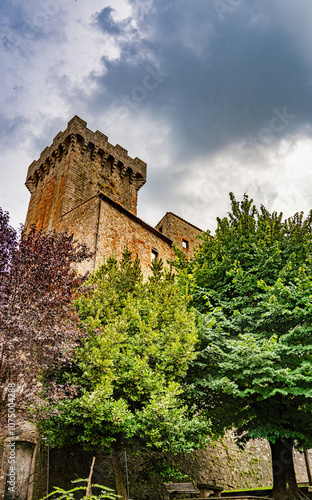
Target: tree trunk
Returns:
[119, 476]
[284, 479]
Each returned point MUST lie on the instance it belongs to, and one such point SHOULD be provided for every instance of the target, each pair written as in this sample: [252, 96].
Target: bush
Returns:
[59, 493]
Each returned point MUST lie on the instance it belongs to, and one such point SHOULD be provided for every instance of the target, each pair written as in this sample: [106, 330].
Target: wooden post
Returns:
[307, 461]
[89, 480]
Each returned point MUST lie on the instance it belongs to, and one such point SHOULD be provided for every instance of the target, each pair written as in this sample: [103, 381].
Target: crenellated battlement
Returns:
[91, 147]
[79, 164]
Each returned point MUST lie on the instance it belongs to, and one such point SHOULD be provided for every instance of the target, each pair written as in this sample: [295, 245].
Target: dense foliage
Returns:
[38, 284]
[140, 339]
[252, 286]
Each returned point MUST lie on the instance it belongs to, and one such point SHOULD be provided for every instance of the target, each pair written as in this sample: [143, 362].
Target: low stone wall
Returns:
[223, 463]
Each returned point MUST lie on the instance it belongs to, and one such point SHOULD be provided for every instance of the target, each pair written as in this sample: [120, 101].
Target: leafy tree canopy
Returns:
[38, 323]
[130, 367]
[252, 286]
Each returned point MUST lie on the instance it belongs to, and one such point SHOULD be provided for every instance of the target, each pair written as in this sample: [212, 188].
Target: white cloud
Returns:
[223, 81]
[50, 52]
[283, 186]
[44, 67]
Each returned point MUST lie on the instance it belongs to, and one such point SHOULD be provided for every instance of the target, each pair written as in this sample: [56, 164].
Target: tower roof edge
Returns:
[76, 122]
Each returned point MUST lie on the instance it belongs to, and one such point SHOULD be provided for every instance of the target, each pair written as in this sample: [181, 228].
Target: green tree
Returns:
[140, 339]
[252, 287]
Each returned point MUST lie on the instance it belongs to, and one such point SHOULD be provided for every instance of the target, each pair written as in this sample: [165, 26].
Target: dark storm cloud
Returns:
[106, 22]
[230, 73]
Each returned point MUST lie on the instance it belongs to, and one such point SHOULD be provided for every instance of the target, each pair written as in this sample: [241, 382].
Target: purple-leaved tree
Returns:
[38, 322]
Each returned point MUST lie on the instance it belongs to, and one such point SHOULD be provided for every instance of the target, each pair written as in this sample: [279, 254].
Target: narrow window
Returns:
[185, 244]
[154, 254]
[160, 229]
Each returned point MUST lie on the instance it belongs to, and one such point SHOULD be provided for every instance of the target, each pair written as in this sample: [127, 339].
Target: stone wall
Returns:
[182, 233]
[107, 227]
[117, 229]
[223, 463]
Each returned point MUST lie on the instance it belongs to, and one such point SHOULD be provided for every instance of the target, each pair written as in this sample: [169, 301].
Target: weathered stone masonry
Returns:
[84, 185]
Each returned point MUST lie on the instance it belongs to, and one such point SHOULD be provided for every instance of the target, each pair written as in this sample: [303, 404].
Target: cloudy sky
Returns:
[215, 95]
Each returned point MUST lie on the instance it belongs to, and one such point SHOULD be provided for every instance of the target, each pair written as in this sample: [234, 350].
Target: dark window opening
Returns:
[154, 254]
[185, 244]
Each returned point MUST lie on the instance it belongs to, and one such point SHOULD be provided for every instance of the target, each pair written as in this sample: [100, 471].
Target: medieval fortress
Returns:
[86, 186]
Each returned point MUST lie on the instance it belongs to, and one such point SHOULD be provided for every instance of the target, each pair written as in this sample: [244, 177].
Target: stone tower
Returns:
[86, 186]
[77, 166]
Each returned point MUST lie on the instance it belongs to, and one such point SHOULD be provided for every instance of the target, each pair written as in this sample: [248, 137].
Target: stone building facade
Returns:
[83, 184]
